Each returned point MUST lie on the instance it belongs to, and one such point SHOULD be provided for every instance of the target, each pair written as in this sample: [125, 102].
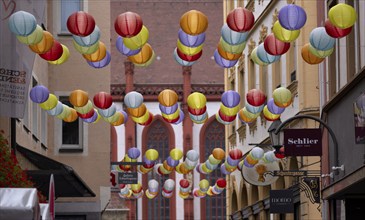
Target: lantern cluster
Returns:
[253, 157]
[107, 109]
[281, 98]
[86, 39]
[322, 39]
[229, 107]
[197, 107]
[255, 101]
[258, 156]
[83, 106]
[190, 162]
[191, 37]
[149, 159]
[232, 160]
[152, 190]
[185, 188]
[234, 35]
[131, 156]
[169, 107]
[125, 191]
[132, 39]
[218, 187]
[201, 192]
[24, 26]
[168, 188]
[170, 163]
[212, 162]
[136, 109]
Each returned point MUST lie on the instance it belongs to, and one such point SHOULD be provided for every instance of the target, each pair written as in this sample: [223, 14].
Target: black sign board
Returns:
[281, 201]
[127, 178]
[303, 142]
[290, 172]
[311, 187]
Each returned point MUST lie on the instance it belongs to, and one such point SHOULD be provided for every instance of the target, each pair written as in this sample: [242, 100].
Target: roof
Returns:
[67, 182]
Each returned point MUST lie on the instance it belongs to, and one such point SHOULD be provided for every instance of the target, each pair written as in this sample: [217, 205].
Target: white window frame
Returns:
[57, 15]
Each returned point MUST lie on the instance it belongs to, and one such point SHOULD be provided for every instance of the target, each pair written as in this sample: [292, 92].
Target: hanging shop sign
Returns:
[303, 142]
[281, 201]
[290, 172]
[127, 177]
[310, 185]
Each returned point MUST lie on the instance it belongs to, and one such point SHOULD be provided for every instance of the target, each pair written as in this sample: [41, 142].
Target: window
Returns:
[251, 75]
[215, 207]
[66, 8]
[263, 79]
[291, 60]
[158, 138]
[276, 75]
[241, 86]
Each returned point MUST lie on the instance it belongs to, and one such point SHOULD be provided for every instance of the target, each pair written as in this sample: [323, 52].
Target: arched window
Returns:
[212, 136]
[161, 138]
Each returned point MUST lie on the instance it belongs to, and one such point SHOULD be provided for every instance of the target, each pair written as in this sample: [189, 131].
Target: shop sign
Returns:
[303, 142]
[127, 178]
[281, 201]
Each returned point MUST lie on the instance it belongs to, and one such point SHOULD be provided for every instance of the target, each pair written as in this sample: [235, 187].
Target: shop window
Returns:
[64, 9]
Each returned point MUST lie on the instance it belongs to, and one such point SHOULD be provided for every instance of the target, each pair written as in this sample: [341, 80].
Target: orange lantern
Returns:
[227, 55]
[44, 45]
[218, 153]
[79, 98]
[167, 97]
[98, 55]
[309, 57]
[72, 116]
[137, 112]
[143, 56]
[120, 120]
[194, 22]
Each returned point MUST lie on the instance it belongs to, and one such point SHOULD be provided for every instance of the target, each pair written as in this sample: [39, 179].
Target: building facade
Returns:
[244, 200]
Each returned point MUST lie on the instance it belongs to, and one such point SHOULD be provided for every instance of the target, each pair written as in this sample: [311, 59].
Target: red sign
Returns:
[303, 142]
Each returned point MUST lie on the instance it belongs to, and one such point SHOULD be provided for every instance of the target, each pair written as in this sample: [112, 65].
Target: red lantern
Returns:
[255, 97]
[188, 57]
[197, 111]
[334, 31]
[148, 122]
[184, 183]
[87, 115]
[274, 46]
[221, 183]
[103, 100]
[172, 120]
[235, 154]
[240, 20]
[128, 24]
[54, 53]
[81, 23]
[226, 118]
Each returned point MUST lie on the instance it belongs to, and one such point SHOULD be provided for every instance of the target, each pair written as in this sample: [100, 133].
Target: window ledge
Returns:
[71, 150]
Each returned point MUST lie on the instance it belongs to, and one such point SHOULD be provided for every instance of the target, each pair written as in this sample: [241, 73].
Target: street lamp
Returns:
[275, 137]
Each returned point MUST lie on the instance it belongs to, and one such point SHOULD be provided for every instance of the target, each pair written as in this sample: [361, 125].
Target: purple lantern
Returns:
[292, 17]
[125, 115]
[134, 153]
[168, 110]
[230, 99]
[102, 63]
[223, 62]
[92, 118]
[191, 40]
[274, 108]
[232, 162]
[125, 50]
[223, 170]
[181, 118]
[39, 94]
[171, 162]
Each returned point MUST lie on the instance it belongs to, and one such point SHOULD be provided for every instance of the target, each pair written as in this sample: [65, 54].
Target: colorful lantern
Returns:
[269, 115]
[103, 100]
[336, 32]
[72, 116]
[44, 45]
[176, 154]
[197, 111]
[65, 112]
[218, 118]
[226, 118]
[320, 53]
[81, 23]
[292, 17]
[196, 100]
[320, 40]
[167, 97]
[235, 154]
[194, 22]
[227, 55]
[133, 99]
[181, 118]
[283, 34]
[108, 112]
[148, 62]
[254, 109]
[189, 50]
[102, 63]
[34, 38]
[309, 57]
[199, 119]
[274, 46]
[235, 49]
[191, 40]
[39, 94]
[264, 56]
[256, 97]
[223, 62]
[120, 120]
[113, 118]
[256, 59]
[273, 108]
[282, 97]
[181, 61]
[86, 108]
[128, 24]
[218, 153]
[230, 98]
[22, 23]
[98, 55]
[125, 50]
[233, 37]
[247, 116]
[89, 39]
[168, 109]
[240, 19]
[50, 103]
[86, 49]
[56, 110]
[137, 112]
[342, 15]
[151, 154]
[95, 118]
[188, 57]
[143, 56]
[149, 121]
[54, 53]
[64, 57]
[137, 41]
[78, 98]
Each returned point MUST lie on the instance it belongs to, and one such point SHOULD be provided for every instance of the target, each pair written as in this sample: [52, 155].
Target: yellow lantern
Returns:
[44, 45]
[282, 97]
[137, 112]
[227, 55]
[137, 41]
[283, 34]
[342, 15]
[194, 22]
[151, 154]
[309, 57]
[149, 62]
[204, 184]
[98, 55]
[172, 116]
[176, 154]
[229, 111]
[34, 38]
[235, 49]
[320, 53]
[270, 116]
[247, 116]
[84, 109]
[64, 57]
[143, 119]
[114, 118]
[196, 100]
[65, 112]
[72, 116]
[50, 103]
[86, 50]
[189, 50]
[256, 58]
[143, 56]
[167, 97]
[78, 98]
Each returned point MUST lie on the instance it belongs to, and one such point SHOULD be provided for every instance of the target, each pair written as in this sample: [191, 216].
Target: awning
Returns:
[67, 182]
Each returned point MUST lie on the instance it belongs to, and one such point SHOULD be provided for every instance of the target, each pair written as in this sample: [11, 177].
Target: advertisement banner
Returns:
[281, 201]
[303, 142]
[16, 59]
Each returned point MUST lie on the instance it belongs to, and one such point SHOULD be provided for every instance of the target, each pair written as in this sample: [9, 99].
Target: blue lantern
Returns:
[22, 23]
[320, 40]
[265, 56]
[89, 40]
[233, 37]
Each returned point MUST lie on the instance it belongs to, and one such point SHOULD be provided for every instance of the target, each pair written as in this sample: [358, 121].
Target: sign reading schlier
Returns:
[303, 142]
